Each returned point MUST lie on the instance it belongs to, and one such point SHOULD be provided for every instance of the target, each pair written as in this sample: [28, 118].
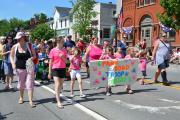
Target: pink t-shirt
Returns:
[75, 63]
[106, 56]
[143, 64]
[128, 56]
[95, 52]
[57, 62]
[118, 55]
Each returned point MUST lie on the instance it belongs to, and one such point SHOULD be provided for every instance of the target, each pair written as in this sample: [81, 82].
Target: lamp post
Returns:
[116, 27]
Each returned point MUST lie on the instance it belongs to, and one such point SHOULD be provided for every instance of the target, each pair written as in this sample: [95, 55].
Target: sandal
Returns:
[60, 106]
[129, 91]
[32, 104]
[20, 101]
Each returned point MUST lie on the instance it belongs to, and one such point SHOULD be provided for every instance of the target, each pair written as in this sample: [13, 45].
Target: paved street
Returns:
[150, 102]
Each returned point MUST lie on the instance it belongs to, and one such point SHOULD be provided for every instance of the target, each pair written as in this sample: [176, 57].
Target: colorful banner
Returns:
[113, 72]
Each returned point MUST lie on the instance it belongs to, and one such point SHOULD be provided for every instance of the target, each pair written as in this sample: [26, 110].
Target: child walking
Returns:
[130, 54]
[75, 66]
[119, 54]
[142, 65]
[108, 55]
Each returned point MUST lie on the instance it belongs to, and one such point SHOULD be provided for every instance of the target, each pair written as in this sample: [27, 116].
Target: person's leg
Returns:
[78, 76]
[7, 82]
[128, 89]
[72, 75]
[57, 90]
[21, 83]
[158, 72]
[72, 86]
[10, 81]
[30, 86]
[164, 77]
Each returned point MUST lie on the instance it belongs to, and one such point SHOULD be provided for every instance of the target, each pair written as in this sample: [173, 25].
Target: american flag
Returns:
[164, 28]
[127, 30]
[120, 16]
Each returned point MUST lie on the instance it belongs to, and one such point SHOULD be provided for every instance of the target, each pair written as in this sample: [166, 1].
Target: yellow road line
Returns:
[171, 86]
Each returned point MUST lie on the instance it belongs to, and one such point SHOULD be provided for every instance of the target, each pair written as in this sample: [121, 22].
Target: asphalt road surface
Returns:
[149, 102]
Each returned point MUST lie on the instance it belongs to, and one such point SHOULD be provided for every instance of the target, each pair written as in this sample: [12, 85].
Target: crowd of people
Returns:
[55, 58]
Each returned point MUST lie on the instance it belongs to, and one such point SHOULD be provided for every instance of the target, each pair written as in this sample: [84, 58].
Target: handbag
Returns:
[35, 60]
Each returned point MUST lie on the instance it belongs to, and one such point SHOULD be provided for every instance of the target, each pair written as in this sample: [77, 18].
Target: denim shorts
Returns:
[164, 65]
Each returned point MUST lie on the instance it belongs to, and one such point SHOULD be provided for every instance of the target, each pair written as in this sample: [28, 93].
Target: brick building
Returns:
[142, 15]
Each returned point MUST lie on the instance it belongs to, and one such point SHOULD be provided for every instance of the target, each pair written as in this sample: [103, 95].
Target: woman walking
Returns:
[57, 67]
[161, 56]
[8, 71]
[20, 53]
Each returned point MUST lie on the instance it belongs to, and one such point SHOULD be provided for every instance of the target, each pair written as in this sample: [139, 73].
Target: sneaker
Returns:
[72, 95]
[82, 96]
[108, 94]
[10, 87]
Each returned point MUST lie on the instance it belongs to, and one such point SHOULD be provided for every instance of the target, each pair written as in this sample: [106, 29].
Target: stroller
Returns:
[42, 70]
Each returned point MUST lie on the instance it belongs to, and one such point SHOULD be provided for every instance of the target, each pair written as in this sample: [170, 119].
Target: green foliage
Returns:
[82, 13]
[171, 16]
[40, 17]
[4, 27]
[42, 31]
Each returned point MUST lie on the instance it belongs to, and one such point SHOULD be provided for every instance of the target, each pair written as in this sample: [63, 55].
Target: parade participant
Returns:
[57, 67]
[2, 76]
[161, 57]
[119, 54]
[81, 45]
[142, 44]
[20, 54]
[106, 43]
[75, 66]
[69, 42]
[142, 65]
[122, 44]
[130, 54]
[8, 71]
[109, 54]
[93, 52]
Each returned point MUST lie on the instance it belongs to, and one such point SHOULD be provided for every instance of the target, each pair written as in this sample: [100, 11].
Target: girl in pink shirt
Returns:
[75, 66]
[130, 54]
[57, 67]
[118, 54]
[142, 65]
[108, 55]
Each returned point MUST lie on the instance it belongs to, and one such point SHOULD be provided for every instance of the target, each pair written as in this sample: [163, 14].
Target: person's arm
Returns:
[86, 54]
[155, 50]
[12, 57]
[4, 51]
[33, 53]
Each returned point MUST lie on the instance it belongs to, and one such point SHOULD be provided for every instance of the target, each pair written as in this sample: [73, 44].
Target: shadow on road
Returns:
[3, 117]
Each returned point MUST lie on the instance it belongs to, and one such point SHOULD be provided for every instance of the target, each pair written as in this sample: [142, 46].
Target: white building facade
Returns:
[103, 22]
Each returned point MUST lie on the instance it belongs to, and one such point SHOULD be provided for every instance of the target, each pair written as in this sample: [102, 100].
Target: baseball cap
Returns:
[20, 35]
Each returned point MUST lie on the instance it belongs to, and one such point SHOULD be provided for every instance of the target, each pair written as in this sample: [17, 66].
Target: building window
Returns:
[171, 35]
[65, 22]
[146, 2]
[61, 23]
[130, 36]
[106, 33]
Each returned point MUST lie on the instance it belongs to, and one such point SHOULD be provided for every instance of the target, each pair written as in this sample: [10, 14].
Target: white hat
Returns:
[124, 36]
[20, 35]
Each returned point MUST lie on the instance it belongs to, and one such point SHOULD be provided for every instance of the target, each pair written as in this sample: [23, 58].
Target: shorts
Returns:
[144, 73]
[75, 74]
[8, 70]
[164, 65]
[59, 72]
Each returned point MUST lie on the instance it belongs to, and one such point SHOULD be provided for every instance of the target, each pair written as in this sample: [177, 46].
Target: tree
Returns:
[40, 17]
[4, 27]
[171, 15]
[82, 14]
[42, 31]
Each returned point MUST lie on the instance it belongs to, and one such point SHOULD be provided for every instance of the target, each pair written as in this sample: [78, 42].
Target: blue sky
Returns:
[25, 9]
